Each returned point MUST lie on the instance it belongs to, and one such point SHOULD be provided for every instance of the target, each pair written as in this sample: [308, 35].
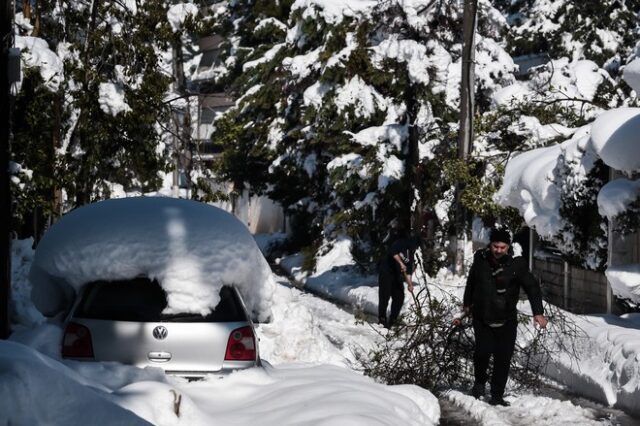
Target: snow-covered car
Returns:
[154, 281]
[124, 321]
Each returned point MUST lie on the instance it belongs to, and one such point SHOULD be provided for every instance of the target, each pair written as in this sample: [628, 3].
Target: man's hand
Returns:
[407, 278]
[540, 320]
[457, 322]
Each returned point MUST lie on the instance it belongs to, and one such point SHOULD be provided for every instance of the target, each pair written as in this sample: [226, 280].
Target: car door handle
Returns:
[159, 356]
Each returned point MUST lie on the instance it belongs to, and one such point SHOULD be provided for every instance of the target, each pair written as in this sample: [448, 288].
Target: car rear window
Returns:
[143, 300]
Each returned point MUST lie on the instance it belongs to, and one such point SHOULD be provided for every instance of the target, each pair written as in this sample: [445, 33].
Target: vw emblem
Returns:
[160, 332]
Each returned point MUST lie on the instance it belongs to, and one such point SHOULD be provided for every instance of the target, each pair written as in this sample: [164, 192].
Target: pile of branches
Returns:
[427, 350]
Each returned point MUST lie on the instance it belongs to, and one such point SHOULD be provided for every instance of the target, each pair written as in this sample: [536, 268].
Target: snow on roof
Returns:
[528, 182]
[528, 186]
[616, 196]
[191, 248]
[614, 138]
[625, 281]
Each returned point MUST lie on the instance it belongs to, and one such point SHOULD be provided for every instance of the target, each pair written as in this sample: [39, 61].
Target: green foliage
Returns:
[584, 236]
[579, 20]
[37, 133]
[243, 161]
[629, 222]
[66, 137]
[476, 191]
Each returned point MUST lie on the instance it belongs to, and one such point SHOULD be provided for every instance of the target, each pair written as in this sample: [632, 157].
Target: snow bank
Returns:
[527, 408]
[23, 313]
[607, 367]
[191, 248]
[35, 389]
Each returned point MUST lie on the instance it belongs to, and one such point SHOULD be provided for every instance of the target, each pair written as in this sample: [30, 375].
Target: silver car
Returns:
[123, 321]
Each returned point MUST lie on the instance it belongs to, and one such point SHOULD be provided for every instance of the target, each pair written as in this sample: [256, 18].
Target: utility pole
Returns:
[6, 34]
[466, 121]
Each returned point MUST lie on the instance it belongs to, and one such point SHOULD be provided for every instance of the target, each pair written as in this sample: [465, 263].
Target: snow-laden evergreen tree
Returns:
[116, 88]
[348, 117]
[99, 126]
[586, 45]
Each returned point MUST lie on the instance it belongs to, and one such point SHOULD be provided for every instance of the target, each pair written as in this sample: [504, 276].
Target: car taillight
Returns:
[241, 345]
[77, 342]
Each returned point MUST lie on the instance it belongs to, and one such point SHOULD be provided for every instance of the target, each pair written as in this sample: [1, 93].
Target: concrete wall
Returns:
[260, 214]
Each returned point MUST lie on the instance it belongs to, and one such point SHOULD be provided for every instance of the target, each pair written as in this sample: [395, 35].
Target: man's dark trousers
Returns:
[389, 286]
[496, 341]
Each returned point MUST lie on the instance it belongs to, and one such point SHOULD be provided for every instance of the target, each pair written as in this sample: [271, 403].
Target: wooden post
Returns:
[610, 226]
[565, 280]
[531, 247]
[467, 103]
[465, 138]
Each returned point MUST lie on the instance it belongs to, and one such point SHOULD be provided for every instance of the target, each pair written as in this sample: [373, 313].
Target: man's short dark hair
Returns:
[500, 235]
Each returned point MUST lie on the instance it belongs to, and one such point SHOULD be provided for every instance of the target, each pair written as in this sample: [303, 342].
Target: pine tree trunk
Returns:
[85, 182]
[36, 24]
[26, 9]
[410, 215]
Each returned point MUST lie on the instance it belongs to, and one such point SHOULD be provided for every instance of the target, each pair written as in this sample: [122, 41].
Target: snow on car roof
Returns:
[191, 248]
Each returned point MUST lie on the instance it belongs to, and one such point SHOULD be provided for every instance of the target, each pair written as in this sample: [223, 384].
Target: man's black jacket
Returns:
[493, 287]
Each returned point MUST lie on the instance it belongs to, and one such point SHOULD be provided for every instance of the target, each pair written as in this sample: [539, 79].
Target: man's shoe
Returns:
[498, 400]
[382, 321]
[477, 391]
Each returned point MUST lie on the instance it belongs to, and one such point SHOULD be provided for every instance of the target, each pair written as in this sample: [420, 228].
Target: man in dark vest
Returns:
[396, 268]
[491, 296]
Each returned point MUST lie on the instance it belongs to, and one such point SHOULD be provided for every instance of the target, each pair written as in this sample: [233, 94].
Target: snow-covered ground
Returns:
[605, 366]
[307, 345]
[310, 348]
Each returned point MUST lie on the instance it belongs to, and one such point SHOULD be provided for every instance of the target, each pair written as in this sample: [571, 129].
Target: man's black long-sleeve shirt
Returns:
[493, 288]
